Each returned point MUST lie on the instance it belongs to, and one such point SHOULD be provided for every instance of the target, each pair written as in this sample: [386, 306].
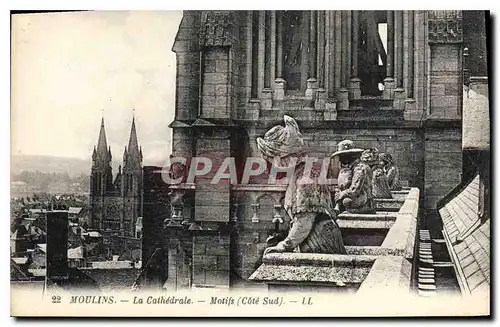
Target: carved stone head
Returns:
[281, 143]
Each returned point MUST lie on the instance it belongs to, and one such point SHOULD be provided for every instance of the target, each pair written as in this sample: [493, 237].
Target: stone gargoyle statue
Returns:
[380, 185]
[391, 171]
[354, 180]
[308, 202]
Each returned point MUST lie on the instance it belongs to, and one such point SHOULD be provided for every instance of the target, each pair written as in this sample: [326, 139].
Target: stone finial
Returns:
[255, 207]
[234, 216]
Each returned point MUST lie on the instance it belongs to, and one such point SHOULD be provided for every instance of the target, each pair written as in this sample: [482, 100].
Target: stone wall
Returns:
[405, 145]
[443, 164]
[211, 260]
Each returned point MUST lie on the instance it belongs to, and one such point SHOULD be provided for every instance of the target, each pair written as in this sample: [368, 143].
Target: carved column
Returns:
[410, 103]
[411, 47]
[329, 50]
[265, 25]
[321, 93]
[389, 83]
[271, 29]
[398, 23]
[321, 48]
[348, 48]
[313, 43]
[355, 89]
[305, 57]
[279, 83]
[261, 50]
[338, 49]
[330, 68]
[248, 37]
[279, 45]
[254, 91]
[344, 72]
[399, 60]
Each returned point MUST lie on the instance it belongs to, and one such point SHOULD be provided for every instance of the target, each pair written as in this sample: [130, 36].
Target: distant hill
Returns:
[47, 164]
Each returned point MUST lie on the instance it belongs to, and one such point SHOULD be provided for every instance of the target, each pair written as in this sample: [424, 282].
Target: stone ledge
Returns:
[313, 268]
[320, 259]
[296, 275]
[379, 216]
[372, 251]
[365, 224]
[382, 268]
[389, 274]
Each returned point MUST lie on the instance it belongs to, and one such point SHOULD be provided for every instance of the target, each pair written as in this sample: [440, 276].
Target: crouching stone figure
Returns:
[354, 180]
[391, 171]
[380, 185]
[308, 202]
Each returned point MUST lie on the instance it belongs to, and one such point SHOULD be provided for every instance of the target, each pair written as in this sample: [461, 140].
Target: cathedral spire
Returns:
[103, 152]
[133, 144]
[102, 144]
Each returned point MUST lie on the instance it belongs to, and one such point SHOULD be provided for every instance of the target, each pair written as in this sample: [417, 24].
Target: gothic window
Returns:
[130, 183]
[98, 188]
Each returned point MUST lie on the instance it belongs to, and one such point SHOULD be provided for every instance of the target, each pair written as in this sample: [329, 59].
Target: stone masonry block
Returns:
[215, 78]
[199, 248]
[208, 90]
[221, 90]
[199, 277]
[452, 89]
[222, 65]
[217, 278]
[223, 263]
[446, 101]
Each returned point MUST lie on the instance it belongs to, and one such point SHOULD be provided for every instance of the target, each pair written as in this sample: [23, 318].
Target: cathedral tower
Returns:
[101, 178]
[131, 185]
[116, 203]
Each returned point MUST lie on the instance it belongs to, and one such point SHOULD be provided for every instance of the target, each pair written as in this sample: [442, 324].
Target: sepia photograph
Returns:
[250, 163]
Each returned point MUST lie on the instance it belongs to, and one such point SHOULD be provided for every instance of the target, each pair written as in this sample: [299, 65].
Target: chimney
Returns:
[57, 246]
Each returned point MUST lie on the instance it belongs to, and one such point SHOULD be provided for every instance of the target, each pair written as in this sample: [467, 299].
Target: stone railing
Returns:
[379, 253]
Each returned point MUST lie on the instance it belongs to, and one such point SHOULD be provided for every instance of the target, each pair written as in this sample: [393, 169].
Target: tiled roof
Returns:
[16, 273]
[471, 255]
[42, 247]
[462, 210]
[113, 279]
[93, 234]
[20, 260]
[111, 264]
[75, 210]
[76, 253]
[38, 272]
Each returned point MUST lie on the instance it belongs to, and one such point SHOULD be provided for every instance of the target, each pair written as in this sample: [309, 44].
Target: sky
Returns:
[70, 69]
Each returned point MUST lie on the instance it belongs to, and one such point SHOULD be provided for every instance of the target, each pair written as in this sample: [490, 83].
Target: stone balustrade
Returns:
[379, 254]
[257, 213]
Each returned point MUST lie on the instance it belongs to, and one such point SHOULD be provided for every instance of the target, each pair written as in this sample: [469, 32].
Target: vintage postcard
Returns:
[250, 163]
